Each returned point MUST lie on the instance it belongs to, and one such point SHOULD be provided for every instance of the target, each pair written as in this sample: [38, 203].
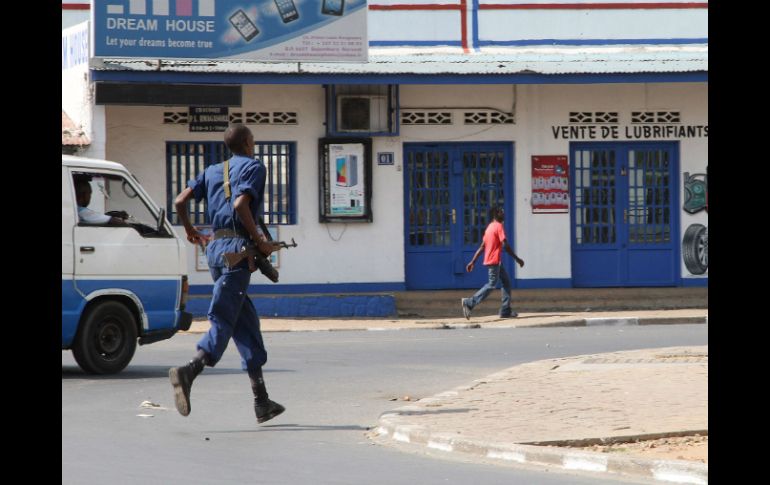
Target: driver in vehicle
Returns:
[83, 195]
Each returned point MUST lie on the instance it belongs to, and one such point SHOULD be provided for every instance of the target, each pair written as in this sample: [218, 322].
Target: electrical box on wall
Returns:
[362, 110]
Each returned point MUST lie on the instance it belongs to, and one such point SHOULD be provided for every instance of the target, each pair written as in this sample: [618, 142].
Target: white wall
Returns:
[516, 21]
[327, 253]
[362, 252]
[543, 106]
[73, 17]
[98, 132]
[502, 25]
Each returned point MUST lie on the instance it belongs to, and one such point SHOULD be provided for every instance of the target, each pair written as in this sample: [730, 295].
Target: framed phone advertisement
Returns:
[345, 179]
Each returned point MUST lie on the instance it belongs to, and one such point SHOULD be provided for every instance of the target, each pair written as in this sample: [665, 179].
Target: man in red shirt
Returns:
[493, 243]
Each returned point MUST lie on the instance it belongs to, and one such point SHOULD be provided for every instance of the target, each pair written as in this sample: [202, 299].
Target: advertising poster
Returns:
[550, 184]
[265, 30]
[346, 177]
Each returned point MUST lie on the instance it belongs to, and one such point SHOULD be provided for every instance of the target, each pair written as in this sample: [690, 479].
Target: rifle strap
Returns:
[227, 179]
[227, 197]
[264, 229]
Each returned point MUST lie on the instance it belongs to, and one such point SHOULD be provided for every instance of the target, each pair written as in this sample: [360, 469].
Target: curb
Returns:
[618, 321]
[674, 471]
[578, 322]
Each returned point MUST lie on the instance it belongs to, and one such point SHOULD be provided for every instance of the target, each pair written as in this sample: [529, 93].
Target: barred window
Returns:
[186, 160]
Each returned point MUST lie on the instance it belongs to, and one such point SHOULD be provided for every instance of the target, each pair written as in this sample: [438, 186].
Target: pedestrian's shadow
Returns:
[147, 372]
[524, 317]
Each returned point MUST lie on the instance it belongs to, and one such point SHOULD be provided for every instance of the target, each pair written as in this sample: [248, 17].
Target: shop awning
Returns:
[629, 63]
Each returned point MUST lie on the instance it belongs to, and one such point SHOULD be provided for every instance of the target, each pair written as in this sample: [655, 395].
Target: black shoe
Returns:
[181, 378]
[511, 314]
[268, 410]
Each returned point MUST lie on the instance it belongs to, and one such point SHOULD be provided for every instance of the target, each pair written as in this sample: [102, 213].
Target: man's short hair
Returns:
[236, 137]
[494, 210]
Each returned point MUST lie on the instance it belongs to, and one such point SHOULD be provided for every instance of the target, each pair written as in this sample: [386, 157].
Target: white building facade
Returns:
[586, 121]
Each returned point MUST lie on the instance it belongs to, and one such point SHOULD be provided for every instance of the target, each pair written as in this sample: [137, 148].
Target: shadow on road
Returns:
[147, 372]
[541, 315]
[295, 427]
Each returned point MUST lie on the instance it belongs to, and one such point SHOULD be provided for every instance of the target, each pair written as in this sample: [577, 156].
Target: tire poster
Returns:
[695, 242]
[550, 184]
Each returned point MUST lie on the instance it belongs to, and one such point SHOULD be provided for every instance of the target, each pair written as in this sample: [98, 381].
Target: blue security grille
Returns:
[428, 193]
[595, 196]
[649, 197]
[624, 217]
[483, 187]
[186, 160]
[279, 200]
[448, 191]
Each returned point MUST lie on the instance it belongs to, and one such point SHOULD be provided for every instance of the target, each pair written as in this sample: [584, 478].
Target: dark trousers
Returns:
[232, 315]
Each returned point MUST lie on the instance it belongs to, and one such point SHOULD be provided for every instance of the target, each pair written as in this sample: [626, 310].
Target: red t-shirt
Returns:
[493, 243]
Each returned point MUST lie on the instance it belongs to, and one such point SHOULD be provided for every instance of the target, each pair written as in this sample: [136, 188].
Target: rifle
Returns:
[256, 259]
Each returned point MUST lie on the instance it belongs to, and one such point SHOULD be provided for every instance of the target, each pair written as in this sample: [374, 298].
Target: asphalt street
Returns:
[334, 385]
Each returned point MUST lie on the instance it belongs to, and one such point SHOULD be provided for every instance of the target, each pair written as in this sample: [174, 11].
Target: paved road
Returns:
[335, 385]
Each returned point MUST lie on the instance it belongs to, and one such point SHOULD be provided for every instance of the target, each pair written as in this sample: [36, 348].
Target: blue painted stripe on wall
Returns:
[311, 306]
[695, 282]
[533, 283]
[308, 288]
[158, 297]
[241, 78]
[591, 42]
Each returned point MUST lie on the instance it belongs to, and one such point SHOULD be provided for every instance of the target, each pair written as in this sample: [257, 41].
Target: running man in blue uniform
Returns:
[234, 192]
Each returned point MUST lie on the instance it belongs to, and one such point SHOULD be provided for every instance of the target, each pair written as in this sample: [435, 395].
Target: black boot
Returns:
[267, 410]
[182, 378]
[264, 408]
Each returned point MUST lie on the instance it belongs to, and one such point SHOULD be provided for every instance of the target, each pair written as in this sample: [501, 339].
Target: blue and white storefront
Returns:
[465, 102]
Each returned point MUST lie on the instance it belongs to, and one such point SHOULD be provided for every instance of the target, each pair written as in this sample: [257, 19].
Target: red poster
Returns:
[550, 183]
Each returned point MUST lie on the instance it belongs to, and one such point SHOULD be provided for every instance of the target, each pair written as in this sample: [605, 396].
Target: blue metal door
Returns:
[624, 222]
[448, 190]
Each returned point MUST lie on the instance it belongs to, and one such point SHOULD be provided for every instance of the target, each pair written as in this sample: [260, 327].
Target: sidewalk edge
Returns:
[674, 471]
[409, 325]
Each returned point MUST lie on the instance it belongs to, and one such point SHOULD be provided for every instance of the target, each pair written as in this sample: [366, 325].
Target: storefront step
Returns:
[432, 304]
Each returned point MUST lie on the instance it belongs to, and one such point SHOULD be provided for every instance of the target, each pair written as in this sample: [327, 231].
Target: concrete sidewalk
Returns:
[540, 413]
[549, 319]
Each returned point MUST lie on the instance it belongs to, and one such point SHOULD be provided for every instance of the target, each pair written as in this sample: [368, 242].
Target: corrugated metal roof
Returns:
[529, 60]
[71, 135]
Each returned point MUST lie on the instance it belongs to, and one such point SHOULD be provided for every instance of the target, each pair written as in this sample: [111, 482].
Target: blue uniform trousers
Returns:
[232, 315]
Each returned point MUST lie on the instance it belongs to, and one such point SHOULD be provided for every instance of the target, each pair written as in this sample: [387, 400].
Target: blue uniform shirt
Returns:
[247, 176]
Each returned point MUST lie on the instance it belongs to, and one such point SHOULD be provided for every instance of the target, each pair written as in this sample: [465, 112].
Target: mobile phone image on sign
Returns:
[342, 178]
[244, 25]
[333, 7]
[287, 9]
